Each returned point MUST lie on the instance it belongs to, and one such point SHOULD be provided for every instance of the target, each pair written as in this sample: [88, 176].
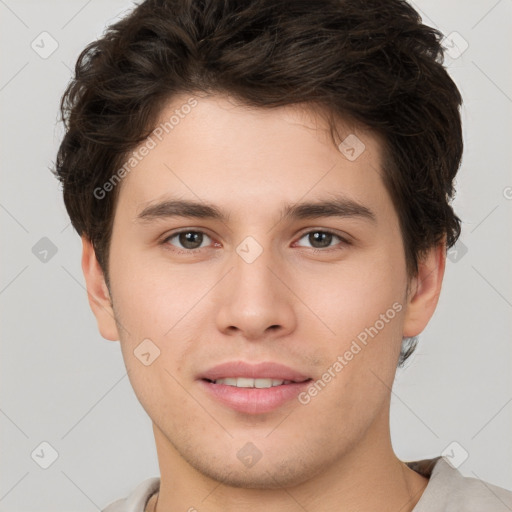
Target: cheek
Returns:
[354, 294]
[363, 304]
[160, 311]
[149, 296]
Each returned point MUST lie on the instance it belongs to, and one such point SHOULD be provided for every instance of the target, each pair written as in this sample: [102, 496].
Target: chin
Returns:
[263, 475]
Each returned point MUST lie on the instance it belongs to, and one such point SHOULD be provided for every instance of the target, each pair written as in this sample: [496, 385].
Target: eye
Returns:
[189, 240]
[320, 239]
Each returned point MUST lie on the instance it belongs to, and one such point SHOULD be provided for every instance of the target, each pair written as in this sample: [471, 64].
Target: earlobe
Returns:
[98, 293]
[425, 289]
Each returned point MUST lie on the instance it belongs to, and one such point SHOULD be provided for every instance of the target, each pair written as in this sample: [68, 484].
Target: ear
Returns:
[97, 292]
[424, 290]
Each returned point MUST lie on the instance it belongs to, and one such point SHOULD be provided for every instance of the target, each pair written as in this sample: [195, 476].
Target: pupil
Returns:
[325, 238]
[188, 238]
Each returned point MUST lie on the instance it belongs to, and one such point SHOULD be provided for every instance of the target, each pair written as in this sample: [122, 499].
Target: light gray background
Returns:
[63, 384]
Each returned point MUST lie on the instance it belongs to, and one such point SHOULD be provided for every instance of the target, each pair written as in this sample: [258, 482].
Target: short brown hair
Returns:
[369, 61]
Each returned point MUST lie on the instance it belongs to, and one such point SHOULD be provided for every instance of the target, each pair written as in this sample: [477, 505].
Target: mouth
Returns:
[244, 382]
[253, 389]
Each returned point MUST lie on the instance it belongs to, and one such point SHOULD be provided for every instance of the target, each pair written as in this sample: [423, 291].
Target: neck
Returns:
[369, 477]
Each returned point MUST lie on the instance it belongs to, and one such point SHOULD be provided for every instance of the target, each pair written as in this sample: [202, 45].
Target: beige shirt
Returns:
[447, 491]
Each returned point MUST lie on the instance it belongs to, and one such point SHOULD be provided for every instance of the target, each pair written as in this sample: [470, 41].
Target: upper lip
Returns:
[265, 370]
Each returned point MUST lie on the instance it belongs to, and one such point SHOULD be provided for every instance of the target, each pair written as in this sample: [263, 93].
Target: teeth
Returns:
[243, 382]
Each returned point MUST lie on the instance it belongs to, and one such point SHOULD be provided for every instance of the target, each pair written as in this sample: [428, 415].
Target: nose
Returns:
[256, 299]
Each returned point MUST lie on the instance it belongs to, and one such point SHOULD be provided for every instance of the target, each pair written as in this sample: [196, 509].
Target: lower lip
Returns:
[254, 400]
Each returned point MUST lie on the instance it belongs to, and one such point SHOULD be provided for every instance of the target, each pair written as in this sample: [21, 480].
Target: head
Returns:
[255, 107]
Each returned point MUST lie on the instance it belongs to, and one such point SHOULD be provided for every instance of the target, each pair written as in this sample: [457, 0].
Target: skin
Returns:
[206, 308]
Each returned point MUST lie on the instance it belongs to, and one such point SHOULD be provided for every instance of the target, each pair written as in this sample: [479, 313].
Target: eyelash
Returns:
[165, 242]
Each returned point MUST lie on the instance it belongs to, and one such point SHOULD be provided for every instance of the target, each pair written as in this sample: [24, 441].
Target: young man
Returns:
[262, 190]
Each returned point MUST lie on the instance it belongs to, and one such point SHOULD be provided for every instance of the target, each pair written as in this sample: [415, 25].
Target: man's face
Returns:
[303, 292]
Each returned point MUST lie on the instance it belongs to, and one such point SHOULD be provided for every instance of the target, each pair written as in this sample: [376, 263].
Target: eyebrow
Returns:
[336, 207]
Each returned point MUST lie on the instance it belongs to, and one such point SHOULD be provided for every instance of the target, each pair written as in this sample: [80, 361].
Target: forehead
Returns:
[232, 154]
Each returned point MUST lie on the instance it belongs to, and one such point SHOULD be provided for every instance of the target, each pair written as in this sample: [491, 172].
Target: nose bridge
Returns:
[253, 262]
